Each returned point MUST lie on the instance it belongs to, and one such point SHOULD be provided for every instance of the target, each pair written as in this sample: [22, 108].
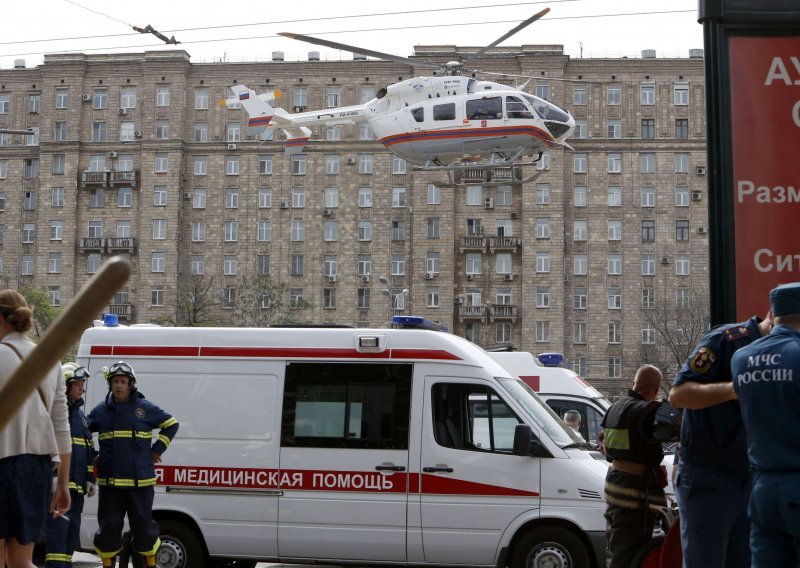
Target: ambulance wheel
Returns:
[181, 547]
[550, 547]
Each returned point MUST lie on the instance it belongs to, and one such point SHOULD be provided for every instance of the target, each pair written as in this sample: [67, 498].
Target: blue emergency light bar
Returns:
[551, 359]
[416, 322]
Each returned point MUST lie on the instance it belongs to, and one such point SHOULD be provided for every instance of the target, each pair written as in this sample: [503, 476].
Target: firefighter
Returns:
[126, 465]
[765, 378]
[63, 533]
[635, 479]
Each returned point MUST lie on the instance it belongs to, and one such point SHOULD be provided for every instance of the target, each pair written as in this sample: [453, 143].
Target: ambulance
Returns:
[402, 446]
[560, 388]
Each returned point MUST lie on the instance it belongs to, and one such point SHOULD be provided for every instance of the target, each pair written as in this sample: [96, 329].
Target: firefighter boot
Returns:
[110, 562]
[150, 561]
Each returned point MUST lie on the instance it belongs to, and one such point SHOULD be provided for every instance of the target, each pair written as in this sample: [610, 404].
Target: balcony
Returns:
[472, 243]
[91, 245]
[121, 310]
[472, 313]
[94, 179]
[130, 178]
[127, 244]
[502, 312]
[503, 243]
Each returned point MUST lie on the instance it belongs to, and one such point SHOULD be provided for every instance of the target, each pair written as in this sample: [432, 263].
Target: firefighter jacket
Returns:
[81, 470]
[628, 427]
[126, 440]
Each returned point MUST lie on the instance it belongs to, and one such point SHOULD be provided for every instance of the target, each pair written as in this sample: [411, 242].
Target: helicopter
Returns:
[447, 121]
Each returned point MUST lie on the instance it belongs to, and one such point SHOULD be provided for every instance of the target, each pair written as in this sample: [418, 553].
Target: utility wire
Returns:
[98, 13]
[397, 28]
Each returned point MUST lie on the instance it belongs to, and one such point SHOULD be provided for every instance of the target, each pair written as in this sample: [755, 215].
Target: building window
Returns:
[614, 95]
[648, 128]
[57, 197]
[34, 103]
[159, 229]
[648, 265]
[614, 298]
[363, 298]
[615, 163]
[542, 193]
[543, 90]
[398, 197]
[365, 197]
[615, 196]
[199, 199]
[579, 298]
[648, 163]
[580, 264]
[365, 163]
[334, 96]
[580, 231]
[398, 265]
[159, 261]
[614, 332]
[95, 229]
[648, 231]
[28, 232]
[332, 162]
[162, 129]
[93, 262]
[231, 198]
[231, 231]
[614, 128]
[331, 197]
[59, 164]
[680, 94]
[329, 298]
[542, 296]
[198, 231]
[615, 230]
[54, 263]
[579, 163]
[264, 233]
[503, 263]
[473, 263]
[614, 367]
[330, 265]
[682, 128]
[543, 163]
[581, 129]
[297, 267]
[681, 230]
[233, 132]
[127, 98]
[615, 264]
[162, 96]
[198, 264]
[434, 194]
[681, 196]
[201, 99]
[232, 165]
[160, 195]
[681, 163]
[229, 264]
[262, 265]
[228, 297]
[264, 197]
[433, 224]
[265, 165]
[62, 98]
[648, 335]
[331, 231]
[542, 331]
[682, 264]
[580, 332]
[298, 231]
[398, 165]
[365, 230]
[398, 230]
[579, 196]
[682, 298]
[543, 228]
[648, 298]
[298, 197]
[162, 162]
[29, 201]
[503, 195]
[56, 230]
[299, 165]
[647, 92]
[127, 132]
[60, 134]
[648, 196]
[579, 94]
[542, 262]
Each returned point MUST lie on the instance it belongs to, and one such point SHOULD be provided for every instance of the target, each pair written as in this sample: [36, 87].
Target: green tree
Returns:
[261, 302]
[43, 313]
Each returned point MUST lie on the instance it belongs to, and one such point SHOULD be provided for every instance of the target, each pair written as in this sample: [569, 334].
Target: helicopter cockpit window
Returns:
[444, 112]
[515, 108]
[418, 114]
[490, 108]
[546, 110]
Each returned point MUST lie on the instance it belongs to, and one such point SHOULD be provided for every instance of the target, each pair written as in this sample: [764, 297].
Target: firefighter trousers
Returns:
[63, 534]
[113, 505]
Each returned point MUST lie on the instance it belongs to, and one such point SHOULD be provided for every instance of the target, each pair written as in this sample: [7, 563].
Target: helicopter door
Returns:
[516, 108]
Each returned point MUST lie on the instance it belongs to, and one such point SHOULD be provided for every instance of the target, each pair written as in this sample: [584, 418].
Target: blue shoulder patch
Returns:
[734, 333]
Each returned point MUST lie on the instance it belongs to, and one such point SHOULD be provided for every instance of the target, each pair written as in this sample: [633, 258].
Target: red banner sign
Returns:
[765, 119]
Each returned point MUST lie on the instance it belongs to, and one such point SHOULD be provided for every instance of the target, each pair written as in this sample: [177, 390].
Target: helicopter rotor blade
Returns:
[360, 51]
[543, 77]
[505, 36]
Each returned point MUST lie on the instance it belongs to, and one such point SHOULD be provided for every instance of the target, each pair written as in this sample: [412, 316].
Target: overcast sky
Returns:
[591, 28]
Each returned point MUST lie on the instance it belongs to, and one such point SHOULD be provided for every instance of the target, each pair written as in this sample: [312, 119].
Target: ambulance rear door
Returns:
[344, 461]
[471, 487]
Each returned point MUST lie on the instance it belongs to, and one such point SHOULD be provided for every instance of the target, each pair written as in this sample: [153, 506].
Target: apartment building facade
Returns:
[132, 155]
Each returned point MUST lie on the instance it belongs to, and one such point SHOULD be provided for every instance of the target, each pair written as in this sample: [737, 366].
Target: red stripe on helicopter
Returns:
[468, 133]
[269, 352]
[296, 141]
[259, 121]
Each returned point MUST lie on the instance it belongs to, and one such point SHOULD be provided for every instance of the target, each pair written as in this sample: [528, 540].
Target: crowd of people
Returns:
[51, 428]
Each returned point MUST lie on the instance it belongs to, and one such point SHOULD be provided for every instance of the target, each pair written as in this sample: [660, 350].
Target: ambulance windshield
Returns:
[539, 412]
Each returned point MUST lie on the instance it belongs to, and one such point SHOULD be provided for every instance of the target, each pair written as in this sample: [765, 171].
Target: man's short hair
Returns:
[572, 415]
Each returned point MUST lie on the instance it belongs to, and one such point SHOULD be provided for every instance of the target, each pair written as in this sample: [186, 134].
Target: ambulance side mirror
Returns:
[526, 444]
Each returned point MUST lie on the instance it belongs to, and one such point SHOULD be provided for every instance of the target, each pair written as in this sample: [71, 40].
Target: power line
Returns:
[98, 13]
[394, 28]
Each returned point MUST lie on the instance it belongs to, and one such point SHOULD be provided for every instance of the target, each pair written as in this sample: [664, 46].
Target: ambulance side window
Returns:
[471, 417]
[590, 417]
[346, 405]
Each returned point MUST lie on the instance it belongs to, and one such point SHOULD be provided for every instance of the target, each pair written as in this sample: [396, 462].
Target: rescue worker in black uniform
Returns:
[63, 533]
[126, 465]
[635, 478]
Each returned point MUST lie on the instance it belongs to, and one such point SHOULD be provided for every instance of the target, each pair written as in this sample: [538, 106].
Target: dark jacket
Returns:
[126, 440]
[81, 469]
[628, 427]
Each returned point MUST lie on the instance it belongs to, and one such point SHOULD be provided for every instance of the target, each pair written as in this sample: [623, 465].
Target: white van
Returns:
[560, 388]
[360, 446]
